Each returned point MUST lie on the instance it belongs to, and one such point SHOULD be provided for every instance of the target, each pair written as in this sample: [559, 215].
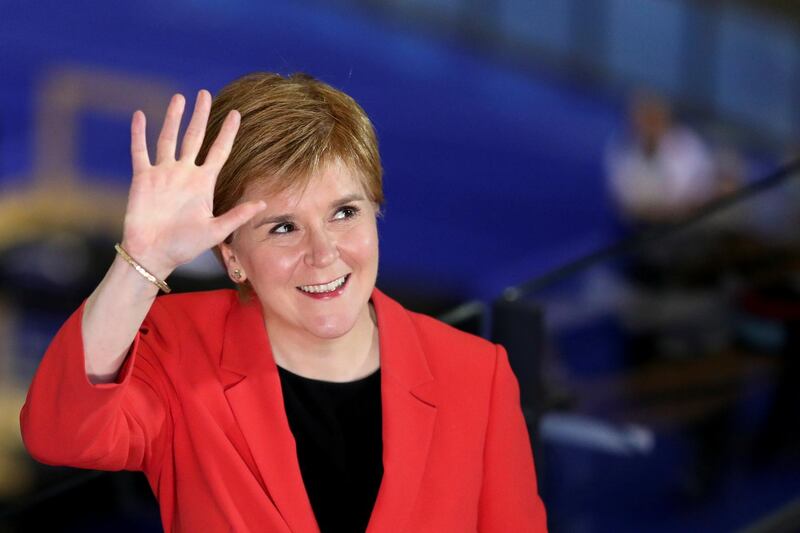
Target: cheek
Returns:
[272, 266]
[362, 243]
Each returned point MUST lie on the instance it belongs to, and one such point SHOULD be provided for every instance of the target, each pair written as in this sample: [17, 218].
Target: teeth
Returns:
[328, 287]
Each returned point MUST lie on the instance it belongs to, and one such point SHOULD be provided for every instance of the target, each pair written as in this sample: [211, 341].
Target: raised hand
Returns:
[169, 219]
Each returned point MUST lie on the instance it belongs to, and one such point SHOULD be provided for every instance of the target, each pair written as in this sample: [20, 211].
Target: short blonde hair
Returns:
[290, 127]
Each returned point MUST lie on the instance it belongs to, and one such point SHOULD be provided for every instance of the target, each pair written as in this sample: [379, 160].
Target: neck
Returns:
[346, 358]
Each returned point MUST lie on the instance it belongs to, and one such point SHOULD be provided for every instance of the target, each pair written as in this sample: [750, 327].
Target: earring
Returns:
[237, 273]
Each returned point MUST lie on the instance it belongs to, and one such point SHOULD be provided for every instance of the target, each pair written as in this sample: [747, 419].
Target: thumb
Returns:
[229, 222]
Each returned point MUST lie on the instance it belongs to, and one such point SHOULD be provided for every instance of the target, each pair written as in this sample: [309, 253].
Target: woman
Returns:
[309, 400]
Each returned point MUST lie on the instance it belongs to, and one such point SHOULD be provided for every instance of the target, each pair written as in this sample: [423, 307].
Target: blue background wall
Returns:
[492, 176]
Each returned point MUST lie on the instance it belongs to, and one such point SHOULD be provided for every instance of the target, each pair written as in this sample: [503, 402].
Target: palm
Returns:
[169, 218]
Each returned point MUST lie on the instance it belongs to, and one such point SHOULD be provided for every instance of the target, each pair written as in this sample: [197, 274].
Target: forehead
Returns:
[332, 181]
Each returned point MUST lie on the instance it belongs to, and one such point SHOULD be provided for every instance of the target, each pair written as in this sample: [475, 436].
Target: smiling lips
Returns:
[326, 290]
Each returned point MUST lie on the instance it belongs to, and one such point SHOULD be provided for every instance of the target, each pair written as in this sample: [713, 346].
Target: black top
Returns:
[337, 428]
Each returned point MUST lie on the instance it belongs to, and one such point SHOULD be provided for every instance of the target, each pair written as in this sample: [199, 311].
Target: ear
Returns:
[232, 266]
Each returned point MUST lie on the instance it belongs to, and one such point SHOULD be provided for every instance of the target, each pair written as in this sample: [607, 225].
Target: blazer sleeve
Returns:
[67, 420]
[509, 498]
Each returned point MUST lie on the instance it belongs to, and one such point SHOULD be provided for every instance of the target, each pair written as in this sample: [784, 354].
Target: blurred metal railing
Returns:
[637, 241]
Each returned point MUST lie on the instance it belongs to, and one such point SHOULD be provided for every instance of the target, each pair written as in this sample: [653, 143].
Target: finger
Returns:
[139, 157]
[229, 222]
[221, 149]
[168, 138]
[195, 131]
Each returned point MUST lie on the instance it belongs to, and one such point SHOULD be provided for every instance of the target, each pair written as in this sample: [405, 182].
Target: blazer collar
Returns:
[245, 338]
[408, 399]
[253, 389]
[408, 396]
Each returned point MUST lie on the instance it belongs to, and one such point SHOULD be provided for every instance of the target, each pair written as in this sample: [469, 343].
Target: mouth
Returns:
[325, 290]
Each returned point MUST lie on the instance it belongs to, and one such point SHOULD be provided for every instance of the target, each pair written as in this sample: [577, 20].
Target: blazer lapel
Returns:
[409, 415]
[253, 390]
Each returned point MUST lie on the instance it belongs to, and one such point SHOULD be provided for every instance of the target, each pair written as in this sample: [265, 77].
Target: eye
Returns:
[282, 228]
[346, 212]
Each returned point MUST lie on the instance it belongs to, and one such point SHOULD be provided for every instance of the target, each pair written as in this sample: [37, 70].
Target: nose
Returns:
[322, 249]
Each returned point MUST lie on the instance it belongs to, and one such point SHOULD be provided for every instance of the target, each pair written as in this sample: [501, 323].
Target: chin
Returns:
[330, 327]
[335, 318]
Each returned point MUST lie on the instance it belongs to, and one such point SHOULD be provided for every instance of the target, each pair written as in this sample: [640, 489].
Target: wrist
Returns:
[157, 276]
[143, 255]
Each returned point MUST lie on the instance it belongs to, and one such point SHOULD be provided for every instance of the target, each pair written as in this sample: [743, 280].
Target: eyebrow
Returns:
[355, 197]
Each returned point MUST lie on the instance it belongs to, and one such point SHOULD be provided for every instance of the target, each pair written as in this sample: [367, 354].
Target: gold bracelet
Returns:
[141, 270]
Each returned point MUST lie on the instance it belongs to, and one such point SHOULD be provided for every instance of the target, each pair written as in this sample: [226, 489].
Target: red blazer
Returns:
[198, 407]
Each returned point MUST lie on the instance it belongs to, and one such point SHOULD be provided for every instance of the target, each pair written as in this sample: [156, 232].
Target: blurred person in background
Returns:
[658, 171]
[307, 400]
